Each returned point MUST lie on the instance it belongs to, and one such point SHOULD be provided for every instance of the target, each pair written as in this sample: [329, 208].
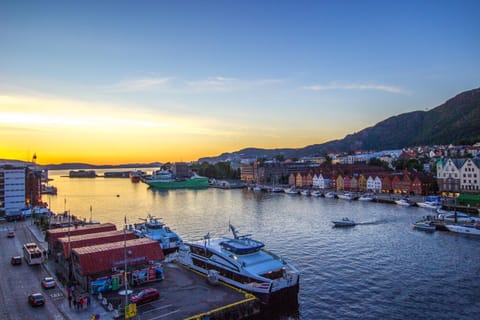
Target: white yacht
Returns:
[316, 193]
[471, 229]
[366, 197]
[429, 205]
[290, 190]
[243, 263]
[346, 196]
[330, 195]
[404, 202]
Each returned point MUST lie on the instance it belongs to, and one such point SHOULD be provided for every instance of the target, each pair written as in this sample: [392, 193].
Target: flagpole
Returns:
[125, 271]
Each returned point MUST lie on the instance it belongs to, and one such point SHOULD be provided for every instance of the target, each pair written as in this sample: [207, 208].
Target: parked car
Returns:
[146, 295]
[48, 283]
[11, 234]
[16, 260]
[36, 299]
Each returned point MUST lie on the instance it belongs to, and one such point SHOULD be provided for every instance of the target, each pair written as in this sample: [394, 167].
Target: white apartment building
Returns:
[12, 189]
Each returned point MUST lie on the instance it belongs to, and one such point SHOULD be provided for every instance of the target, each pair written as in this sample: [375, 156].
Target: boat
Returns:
[429, 205]
[330, 195]
[404, 202]
[46, 189]
[163, 179]
[257, 189]
[305, 192]
[425, 225]
[471, 229]
[82, 174]
[346, 196]
[155, 229]
[365, 197]
[135, 176]
[452, 216]
[276, 190]
[344, 222]
[291, 190]
[316, 193]
[243, 263]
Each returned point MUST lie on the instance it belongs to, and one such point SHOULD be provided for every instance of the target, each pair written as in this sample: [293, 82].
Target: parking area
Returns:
[183, 294]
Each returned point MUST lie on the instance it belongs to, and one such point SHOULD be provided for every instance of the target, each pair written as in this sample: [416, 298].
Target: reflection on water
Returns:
[379, 269]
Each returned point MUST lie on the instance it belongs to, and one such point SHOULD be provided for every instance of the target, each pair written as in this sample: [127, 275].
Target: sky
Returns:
[111, 82]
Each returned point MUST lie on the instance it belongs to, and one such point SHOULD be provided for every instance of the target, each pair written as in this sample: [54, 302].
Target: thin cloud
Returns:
[355, 86]
[141, 84]
[226, 84]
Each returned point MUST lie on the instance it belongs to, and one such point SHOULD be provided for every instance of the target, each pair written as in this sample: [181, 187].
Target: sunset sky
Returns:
[109, 82]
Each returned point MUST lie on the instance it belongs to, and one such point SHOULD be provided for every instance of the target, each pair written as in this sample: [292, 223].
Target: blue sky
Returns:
[205, 77]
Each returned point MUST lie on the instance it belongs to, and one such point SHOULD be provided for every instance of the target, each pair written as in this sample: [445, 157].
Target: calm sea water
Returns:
[380, 269]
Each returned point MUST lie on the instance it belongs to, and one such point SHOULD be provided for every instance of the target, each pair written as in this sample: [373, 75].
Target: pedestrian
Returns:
[88, 301]
[70, 300]
[75, 304]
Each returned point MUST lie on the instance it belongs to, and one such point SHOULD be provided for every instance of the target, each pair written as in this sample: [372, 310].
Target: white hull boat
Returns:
[404, 202]
[425, 226]
[344, 222]
[429, 205]
[346, 196]
[464, 229]
[243, 263]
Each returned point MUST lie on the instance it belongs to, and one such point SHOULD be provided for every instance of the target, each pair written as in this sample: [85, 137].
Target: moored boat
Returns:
[470, 229]
[404, 202]
[155, 229]
[365, 197]
[344, 222]
[316, 193]
[346, 196]
[425, 225]
[330, 195]
[305, 192]
[429, 205]
[163, 179]
[290, 190]
[243, 263]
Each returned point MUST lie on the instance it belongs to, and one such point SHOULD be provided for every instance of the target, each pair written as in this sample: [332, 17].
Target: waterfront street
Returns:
[21, 280]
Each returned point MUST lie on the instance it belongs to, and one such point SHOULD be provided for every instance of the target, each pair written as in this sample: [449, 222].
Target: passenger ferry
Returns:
[153, 228]
[243, 263]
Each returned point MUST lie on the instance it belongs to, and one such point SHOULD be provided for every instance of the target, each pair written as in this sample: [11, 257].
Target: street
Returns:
[18, 281]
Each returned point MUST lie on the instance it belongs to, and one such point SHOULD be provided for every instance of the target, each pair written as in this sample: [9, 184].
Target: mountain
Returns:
[457, 121]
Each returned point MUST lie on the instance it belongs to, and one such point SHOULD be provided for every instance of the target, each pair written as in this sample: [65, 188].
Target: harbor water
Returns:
[380, 269]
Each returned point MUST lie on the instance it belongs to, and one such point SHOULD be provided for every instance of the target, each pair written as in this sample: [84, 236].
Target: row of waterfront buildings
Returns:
[452, 176]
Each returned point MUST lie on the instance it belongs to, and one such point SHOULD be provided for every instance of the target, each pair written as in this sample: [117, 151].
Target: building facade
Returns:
[12, 189]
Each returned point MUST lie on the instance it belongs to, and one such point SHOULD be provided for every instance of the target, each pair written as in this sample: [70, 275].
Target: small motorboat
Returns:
[344, 222]
[470, 229]
[366, 197]
[404, 202]
[425, 225]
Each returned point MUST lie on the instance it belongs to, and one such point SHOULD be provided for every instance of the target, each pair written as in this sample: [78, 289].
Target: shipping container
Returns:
[111, 256]
[52, 235]
[91, 239]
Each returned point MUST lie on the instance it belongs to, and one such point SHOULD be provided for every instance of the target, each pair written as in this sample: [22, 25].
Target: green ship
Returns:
[163, 179]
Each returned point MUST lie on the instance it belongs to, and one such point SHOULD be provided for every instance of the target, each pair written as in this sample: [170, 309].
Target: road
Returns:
[19, 281]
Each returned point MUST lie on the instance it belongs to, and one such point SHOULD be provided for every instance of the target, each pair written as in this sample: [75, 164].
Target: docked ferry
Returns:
[243, 263]
[163, 179]
[155, 229]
